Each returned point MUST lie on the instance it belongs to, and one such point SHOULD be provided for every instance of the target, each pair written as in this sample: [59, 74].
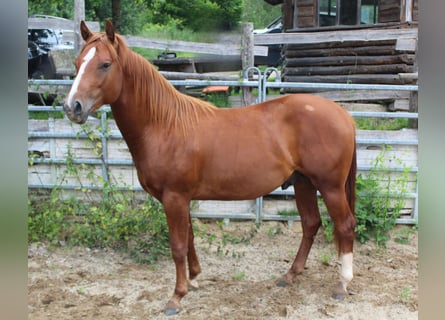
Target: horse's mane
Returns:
[161, 103]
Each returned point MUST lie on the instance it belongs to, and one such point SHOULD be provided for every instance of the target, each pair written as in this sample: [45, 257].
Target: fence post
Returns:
[104, 141]
[247, 57]
[79, 15]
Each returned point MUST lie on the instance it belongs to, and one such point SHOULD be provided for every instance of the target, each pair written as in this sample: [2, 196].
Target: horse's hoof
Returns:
[172, 309]
[282, 283]
[171, 312]
[338, 296]
[340, 292]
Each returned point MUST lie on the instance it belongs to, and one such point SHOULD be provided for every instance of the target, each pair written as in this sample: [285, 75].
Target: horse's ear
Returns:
[109, 30]
[84, 31]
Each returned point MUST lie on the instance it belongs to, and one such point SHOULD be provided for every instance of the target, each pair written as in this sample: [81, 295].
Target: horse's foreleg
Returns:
[306, 198]
[192, 258]
[344, 227]
[177, 212]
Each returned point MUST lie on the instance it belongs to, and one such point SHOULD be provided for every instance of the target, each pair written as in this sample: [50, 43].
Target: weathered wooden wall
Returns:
[381, 62]
[301, 14]
[390, 11]
[307, 15]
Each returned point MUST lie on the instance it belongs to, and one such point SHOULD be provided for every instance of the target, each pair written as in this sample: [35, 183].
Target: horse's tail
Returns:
[350, 182]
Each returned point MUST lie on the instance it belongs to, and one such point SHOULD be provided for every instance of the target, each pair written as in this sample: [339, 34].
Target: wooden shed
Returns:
[382, 51]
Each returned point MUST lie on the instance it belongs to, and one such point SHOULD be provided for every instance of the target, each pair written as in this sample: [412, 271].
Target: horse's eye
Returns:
[105, 65]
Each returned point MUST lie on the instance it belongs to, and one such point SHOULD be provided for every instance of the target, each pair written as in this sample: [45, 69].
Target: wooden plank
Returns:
[62, 24]
[406, 44]
[366, 107]
[197, 76]
[196, 47]
[353, 78]
[356, 69]
[405, 134]
[341, 51]
[357, 95]
[350, 60]
[400, 105]
[336, 45]
[247, 60]
[334, 36]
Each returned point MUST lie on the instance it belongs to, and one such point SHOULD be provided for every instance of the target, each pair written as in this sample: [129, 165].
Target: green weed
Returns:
[239, 275]
[113, 220]
[378, 204]
[381, 123]
[403, 235]
[405, 296]
[379, 201]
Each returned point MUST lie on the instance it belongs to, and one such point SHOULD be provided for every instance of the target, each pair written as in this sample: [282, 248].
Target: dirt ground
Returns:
[237, 281]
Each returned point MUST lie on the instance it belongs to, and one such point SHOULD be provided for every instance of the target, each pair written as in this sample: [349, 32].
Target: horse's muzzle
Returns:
[75, 112]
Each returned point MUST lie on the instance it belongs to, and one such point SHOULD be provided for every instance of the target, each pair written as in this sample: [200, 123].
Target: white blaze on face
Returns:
[86, 59]
[346, 274]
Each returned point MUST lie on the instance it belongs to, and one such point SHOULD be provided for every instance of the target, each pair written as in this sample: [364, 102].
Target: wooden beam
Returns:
[79, 15]
[353, 78]
[186, 46]
[334, 36]
[346, 51]
[247, 57]
[350, 60]
[170, 75]
[345, 70]
[62, 24]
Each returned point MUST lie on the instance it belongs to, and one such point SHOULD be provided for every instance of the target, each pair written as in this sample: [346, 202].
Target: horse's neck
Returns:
[148, 102]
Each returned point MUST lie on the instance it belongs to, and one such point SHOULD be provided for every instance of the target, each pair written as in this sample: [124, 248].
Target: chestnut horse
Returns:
[185, 149]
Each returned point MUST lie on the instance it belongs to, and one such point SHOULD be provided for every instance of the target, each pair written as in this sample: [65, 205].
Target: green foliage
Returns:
[197, 15]
[326, 258]
[381, 123]
[239, 275]
[220, 100]
[328, 227]
[272, 232]
[221, 241]
[260, 13]
[403, 235]
[140, 229]
[288, 212]
[113, 220]
[379, 202]
[59, 8]
[405, 296]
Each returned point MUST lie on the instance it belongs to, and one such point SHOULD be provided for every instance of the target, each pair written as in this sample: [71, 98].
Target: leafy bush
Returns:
[140, 229]
[116, 220]
[379, 201]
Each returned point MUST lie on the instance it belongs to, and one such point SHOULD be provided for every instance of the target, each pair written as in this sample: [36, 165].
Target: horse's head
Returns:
[99, 74]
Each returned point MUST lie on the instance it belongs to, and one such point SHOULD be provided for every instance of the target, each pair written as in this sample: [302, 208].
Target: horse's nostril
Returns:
[77, 108]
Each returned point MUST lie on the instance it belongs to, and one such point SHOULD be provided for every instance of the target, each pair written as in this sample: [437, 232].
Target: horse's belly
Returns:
[242, 186]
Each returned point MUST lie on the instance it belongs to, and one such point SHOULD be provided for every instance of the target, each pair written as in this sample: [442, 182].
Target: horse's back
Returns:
[257, 148]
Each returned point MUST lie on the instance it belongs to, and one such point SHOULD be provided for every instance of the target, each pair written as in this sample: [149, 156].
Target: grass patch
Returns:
[115, 223]
[381, 123]
[288, 212]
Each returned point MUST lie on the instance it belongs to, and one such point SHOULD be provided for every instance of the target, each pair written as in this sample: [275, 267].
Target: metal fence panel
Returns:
[261, 84]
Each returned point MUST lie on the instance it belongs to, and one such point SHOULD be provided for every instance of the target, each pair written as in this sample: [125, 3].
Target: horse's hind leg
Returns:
[306, 198]
[344, 227]
[192, 258]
